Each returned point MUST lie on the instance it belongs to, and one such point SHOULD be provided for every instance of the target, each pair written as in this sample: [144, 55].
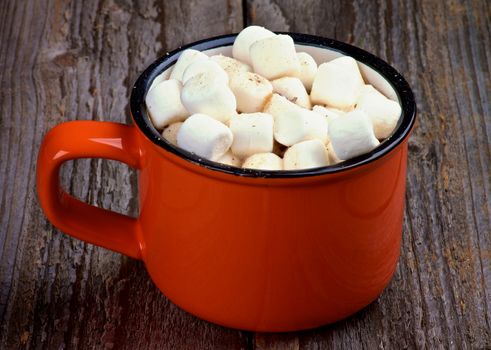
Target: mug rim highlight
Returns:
[394, 78]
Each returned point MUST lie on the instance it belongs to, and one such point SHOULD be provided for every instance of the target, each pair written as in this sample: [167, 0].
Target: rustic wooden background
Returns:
[62, 60]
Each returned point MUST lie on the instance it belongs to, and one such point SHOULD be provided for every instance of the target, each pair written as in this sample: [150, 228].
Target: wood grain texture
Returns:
[440, 296]
[64, 60]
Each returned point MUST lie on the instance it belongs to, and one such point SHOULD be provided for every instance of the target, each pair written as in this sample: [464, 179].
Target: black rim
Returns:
[399, 84]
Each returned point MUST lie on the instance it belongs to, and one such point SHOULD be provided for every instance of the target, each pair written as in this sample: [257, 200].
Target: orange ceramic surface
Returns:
[271, 254]
[249, 252]
[88, 139]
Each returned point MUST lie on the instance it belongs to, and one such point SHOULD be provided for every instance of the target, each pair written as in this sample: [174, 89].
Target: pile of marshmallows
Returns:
[254, 110]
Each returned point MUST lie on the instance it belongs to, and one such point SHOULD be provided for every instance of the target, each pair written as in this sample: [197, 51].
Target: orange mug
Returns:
[248, 249]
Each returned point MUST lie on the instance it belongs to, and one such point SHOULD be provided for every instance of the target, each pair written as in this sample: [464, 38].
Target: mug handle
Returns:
[88, 139]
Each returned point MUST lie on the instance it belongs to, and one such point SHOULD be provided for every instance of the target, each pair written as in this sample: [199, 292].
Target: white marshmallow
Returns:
[338, 83]
[316, 126]
[305, 155]
[293, 124]
[230, 159]
[275, 57]
[206, 94]
[251, 91]
[205, 136]
[352, 135]
[289, 124]
[384, 113]
[185, 59]
[293, 90]
[159, 78]
[308, 69]
[333, 158]
[329, 113]
[230, 65]
[253, 133]
[264, 161]
[247, 37]
[164, 103]
[170, 133]
[205, 67]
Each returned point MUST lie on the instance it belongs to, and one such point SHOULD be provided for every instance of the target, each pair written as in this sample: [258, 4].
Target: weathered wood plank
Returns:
[441, 293]
[65, 60]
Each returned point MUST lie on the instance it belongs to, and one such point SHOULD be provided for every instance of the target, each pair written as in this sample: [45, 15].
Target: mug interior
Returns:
[320, 55]
[374, 71]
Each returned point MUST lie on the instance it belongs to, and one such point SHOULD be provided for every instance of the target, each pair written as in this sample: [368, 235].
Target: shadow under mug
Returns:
[249, 249]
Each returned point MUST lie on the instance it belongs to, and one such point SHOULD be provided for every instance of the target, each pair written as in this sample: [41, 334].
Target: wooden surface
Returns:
[65, 60]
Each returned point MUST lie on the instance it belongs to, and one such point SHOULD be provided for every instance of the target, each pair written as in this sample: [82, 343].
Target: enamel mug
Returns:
[248, 249]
